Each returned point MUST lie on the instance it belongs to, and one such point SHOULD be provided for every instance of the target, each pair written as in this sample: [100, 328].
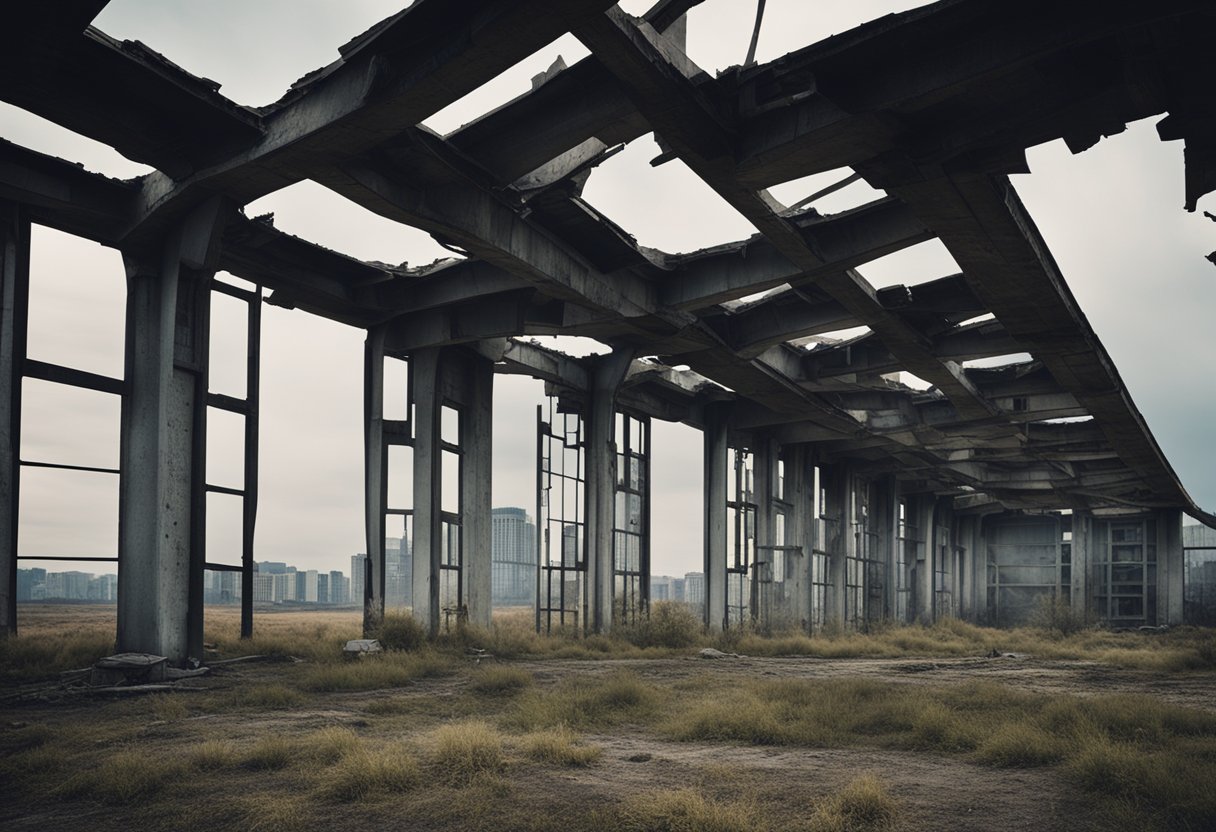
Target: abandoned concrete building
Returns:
[834, 492]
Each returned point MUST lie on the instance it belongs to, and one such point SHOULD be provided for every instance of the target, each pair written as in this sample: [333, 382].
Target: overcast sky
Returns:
[1112, 216]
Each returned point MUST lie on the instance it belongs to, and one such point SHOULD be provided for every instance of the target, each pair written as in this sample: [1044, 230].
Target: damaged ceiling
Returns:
[933, 107]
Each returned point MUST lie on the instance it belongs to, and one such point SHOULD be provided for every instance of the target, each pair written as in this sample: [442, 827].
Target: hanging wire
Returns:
[751, 50]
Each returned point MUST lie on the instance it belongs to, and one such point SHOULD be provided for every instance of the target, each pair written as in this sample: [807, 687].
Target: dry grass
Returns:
[559, 747]
[496, 680]
[375, 672]
[124, 778]
[461, 751]
[686, 810]
[363, 774]
[616, 697]
[864, 805]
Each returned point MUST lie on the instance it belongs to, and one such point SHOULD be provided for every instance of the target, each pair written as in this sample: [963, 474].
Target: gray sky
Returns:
[1112, 216]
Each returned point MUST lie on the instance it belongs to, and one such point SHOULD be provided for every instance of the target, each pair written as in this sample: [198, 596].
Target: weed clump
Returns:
[368, 773]
[670, 624]
[559, 746]
[864, 805]
[464, 750]
[618, 697]
[124, 778]
[399, 631]
[686, 810]
[500, 681]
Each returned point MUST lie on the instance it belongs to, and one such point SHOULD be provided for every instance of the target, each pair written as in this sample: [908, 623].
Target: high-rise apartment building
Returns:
[513, 551]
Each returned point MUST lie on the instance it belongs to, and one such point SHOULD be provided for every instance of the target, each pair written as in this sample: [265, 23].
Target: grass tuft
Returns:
[463, 750]
[369, 773]
[213, 755]
[497, 680]
[862, 806]
[399, 631]
[124, 778]
[560, 747]
[685, 810]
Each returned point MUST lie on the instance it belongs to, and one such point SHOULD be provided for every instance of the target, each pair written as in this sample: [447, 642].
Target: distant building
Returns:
[339, 589]
[31, 584]
[694, 590]
[398, 573]
[358, 575]
[513, 552]
[263, 588]
[1199, 585]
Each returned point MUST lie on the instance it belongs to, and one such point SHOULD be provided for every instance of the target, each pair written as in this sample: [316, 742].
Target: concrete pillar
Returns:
[375, 482]
[716, 462]
[799, 531]
[428, 487]
[765, 462]
[841, 540]
[162, 497]
[1082, 558]
[607, 375]
[14, 296]
[476, 491]
[463, 380]
[887, 515]
[1171, 567]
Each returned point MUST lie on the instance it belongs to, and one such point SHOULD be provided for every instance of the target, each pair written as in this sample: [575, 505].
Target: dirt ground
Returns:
[936, 791]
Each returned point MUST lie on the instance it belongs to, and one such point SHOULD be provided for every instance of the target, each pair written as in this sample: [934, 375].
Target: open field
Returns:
[908, 728]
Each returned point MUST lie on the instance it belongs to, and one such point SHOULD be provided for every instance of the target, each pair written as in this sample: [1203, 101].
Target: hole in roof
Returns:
[255, 50]
[756, 296]
[915, 264]
[577, 346]
[719, 30]
[911, 380]
[506, 86]
[329, 219]
[836, 336]
[37, 133]
[667, 207]
[843, 195]
[999, 360]
[1064, 420]
[1130, 187]
[987, 316]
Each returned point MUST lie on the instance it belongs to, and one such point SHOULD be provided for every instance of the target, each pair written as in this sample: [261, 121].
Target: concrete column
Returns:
[600, 462]
[428, 487]
[799, 531]
[888, 515]
[716, 462]
[1170, 567]
[839, 492]
[375, 487]
[14, 295]
[765, 461]
[1082, 558]
[457, 377]
[476, 488]
[162, 496]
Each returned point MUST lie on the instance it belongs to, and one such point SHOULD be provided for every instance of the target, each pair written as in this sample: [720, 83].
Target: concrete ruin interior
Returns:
[834, 492]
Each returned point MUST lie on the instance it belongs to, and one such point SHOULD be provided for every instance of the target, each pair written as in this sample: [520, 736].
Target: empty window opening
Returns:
[78, 295]
[75, 581]
[225, 525]
[228, 368]
[400, 477]
[225, 448]
[677, 510]
[321, 216]
[397, 405]
[67, 514]
[909, 266]
[668, 207]
[65, 425]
